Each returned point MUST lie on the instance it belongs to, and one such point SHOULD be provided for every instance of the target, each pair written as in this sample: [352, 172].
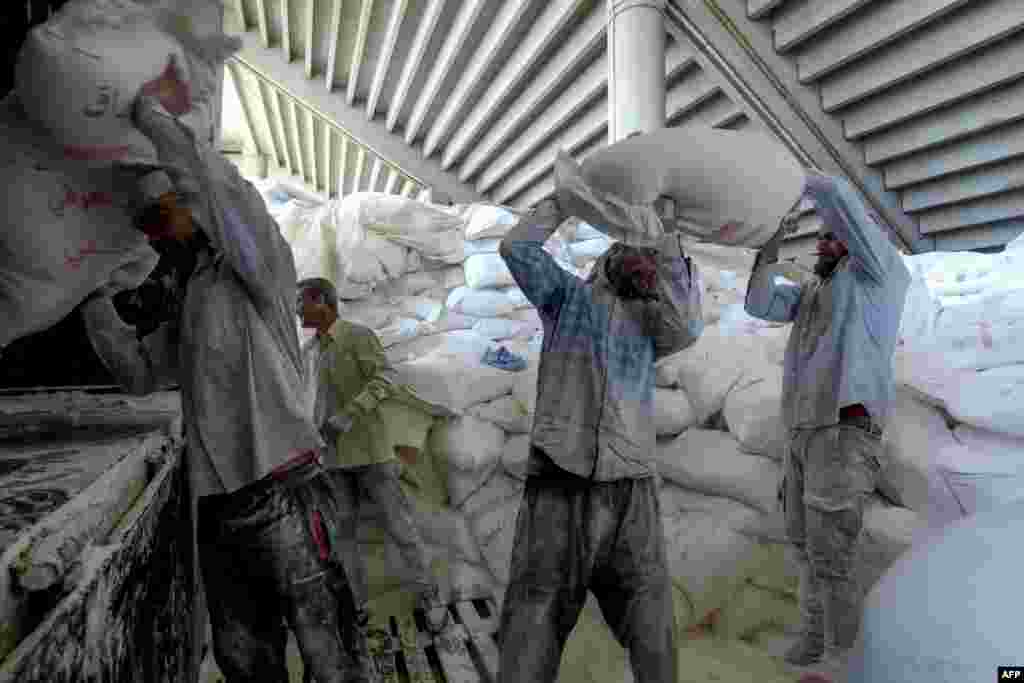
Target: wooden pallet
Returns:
[467, 651]
[405, 652]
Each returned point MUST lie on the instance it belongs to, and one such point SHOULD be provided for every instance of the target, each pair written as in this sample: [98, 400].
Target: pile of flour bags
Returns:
[429, 280]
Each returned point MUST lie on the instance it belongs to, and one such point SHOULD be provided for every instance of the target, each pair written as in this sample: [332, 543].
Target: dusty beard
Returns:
[825, 266]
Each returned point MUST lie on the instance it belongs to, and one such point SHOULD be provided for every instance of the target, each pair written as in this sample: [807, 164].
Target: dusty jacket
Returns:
[596, 382]
[845, 326]
[353, 377]
[237, 357]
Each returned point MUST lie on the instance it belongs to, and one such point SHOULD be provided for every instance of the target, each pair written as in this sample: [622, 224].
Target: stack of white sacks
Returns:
[960, 445]
[721, 441]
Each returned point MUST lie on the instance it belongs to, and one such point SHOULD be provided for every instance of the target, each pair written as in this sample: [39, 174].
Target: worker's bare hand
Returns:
[549, 207]
[407, 454]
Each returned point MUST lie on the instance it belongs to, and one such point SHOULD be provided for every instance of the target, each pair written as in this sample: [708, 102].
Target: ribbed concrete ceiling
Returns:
[930, 91]
[471, 98]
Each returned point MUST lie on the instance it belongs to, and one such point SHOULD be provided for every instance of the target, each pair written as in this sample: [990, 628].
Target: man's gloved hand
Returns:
[336, 426]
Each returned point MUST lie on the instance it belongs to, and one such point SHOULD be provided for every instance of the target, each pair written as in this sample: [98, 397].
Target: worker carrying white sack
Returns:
[369, 422]
[728, 187]
[64, 227]
[589, 518]
[268, 525]
[836, 397]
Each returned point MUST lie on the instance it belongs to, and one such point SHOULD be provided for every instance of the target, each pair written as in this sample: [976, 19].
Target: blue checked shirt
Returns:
[846, 326]
[595, 388]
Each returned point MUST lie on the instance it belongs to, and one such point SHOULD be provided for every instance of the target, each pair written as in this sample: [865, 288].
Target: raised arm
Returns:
[543, 281]
[843, 213]
[140, 366]
[677, 319]
[769, 295]
[237, 222]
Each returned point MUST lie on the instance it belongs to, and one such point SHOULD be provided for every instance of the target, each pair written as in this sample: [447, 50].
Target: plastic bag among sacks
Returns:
[80, 73]
[710, 462]
[730, 187]
[62, 232]
[754, 416]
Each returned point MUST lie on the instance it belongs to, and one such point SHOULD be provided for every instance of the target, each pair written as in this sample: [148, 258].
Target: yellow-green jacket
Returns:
[353, 377]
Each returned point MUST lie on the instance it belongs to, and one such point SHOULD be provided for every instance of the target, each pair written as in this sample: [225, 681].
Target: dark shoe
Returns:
[359, 648]
[436, 612]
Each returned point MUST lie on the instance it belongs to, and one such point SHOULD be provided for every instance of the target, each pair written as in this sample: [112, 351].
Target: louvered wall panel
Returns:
[486, 91]
[933, 91]
[301, 143]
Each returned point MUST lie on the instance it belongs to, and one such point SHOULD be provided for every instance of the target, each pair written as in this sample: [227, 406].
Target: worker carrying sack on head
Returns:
[728, 187]
[267, 515]
[589, 518]
[836, 397]
[368, 422]
[66, 230]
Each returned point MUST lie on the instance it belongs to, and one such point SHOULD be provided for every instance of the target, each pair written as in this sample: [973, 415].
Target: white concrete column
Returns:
[636, 66]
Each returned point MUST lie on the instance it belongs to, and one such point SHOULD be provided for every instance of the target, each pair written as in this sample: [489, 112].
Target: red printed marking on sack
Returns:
[729, 230]
[87, 249]
[172, 91]
[86, 200]
[985, 334]
[96, 153]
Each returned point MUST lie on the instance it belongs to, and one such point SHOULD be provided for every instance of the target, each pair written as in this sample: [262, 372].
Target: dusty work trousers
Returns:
[829, 473]
[267, 562]
[379, 484]
[574, 535]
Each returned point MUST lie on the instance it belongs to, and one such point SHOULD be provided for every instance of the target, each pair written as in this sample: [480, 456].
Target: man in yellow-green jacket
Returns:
[369, 422]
